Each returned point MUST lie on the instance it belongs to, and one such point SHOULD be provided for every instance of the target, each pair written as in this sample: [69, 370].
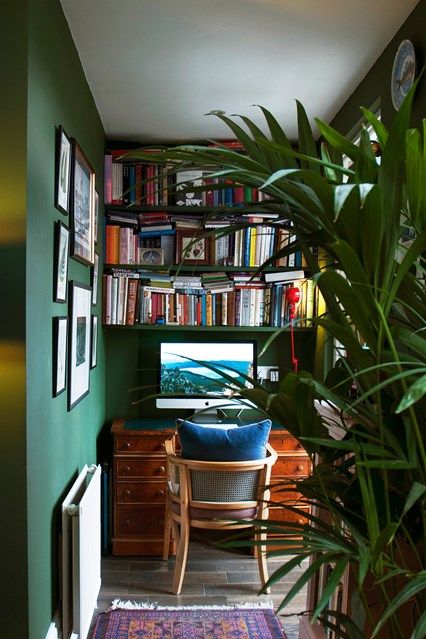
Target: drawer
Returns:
[140, 520]
[149, 492]
[285, 515]
[139, 467]
[284, 443]
[291, 466]
[277, 496]
[148, 443]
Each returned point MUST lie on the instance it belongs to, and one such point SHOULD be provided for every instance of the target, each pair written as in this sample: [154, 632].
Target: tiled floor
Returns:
[213, 576]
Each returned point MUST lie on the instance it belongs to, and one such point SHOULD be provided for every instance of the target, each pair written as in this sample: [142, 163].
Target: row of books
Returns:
[246, 247]
[138, 183]
[140, 298]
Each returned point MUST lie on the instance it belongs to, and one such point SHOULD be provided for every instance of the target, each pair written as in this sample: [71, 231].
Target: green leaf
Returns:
[415, 392]
[250, 147]
[410, 590]
[307, 144]
[278, 135]
[385, 538]
[419, 631]
[337, 140]
[331, 585]
[417, 491]
[378, 126]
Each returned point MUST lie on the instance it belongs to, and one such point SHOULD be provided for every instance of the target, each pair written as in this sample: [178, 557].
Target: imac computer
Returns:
[192, 375]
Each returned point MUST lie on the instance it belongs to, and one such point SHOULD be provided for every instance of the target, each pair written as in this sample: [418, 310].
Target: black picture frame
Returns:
[63, 160]
[59, 354]
[60, 262]
[82, 207]
[94, 280]
[79, 352]
[94, 342]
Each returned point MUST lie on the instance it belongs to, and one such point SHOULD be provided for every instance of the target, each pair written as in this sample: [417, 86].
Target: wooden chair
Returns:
[217, 496]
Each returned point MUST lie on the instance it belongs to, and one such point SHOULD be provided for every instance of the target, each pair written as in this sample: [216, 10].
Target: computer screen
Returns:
[191, 373]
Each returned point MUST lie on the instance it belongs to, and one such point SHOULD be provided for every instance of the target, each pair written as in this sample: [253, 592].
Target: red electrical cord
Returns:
[293, 296]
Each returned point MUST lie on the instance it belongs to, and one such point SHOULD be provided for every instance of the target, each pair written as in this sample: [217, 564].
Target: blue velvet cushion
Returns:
[208, 443]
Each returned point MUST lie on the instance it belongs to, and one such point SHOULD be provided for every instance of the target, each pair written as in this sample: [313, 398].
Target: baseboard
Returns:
[308, 631]
[54, 631]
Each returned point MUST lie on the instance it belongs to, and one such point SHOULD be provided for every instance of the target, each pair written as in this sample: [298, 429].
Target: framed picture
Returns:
[94, 280]
[96, 215]
[79, 343]
[59, 352]
[62, 171]
[60, 262]
[192, 249]
[94, 342]
[83, 208]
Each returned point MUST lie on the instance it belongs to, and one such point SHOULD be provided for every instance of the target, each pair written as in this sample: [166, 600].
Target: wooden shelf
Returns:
[186, 327]
[185, 268]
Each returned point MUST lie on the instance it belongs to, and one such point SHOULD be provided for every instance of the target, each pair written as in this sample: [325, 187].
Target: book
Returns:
[150, 228]
[112, 243]
[284, 276]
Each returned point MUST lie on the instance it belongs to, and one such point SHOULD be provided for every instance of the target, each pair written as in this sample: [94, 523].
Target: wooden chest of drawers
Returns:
[139, 488]
[139, 483]
[292, 462]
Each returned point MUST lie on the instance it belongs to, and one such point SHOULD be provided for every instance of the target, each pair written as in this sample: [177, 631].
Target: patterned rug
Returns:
[139, 621]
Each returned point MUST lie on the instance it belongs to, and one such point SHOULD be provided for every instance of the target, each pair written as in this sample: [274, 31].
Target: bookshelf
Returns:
[191, 266]
[137, 332]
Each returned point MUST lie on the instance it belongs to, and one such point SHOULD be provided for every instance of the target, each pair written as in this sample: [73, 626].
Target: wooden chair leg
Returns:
[167, 531]
[181, 556]
[261, 535]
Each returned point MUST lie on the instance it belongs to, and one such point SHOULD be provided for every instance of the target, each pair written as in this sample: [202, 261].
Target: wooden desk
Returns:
[139, 481]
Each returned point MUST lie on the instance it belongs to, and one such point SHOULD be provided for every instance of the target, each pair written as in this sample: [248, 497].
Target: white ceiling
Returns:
[155, 67]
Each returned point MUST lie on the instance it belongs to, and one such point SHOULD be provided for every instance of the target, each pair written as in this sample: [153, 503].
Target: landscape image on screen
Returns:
[183, 376]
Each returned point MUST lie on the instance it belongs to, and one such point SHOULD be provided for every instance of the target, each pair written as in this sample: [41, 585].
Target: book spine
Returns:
[131, 301]
[112, 234]
[117, 183]
[108, 178]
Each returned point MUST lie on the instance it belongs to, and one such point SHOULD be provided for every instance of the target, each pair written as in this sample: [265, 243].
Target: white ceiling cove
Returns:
[155, 67]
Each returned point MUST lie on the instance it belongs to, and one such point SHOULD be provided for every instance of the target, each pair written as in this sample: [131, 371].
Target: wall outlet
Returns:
[270, 373]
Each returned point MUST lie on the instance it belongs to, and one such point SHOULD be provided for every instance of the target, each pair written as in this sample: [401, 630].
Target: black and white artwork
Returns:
[80, 342]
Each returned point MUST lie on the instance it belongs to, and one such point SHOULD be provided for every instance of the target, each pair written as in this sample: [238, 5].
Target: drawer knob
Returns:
[127, 469]
[127, 522]
[127, 445]
[163, 446]
[161, 522]
[300, 467]
[161, 469]
[127, 492]
[160, 493]
[300, 521]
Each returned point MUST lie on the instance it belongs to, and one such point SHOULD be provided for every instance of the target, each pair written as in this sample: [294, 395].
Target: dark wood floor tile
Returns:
[154, 565]
[193, 577]
[230, 590]
[115, 563]
[164, 588]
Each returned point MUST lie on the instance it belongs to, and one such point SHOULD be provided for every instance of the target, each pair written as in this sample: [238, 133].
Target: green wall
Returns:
[377, 82]
[43, 85]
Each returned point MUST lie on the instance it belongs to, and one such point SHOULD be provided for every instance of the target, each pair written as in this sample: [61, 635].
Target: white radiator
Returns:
[81, 553]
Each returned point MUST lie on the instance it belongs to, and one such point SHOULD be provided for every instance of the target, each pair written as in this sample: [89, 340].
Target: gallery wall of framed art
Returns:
[74, 336]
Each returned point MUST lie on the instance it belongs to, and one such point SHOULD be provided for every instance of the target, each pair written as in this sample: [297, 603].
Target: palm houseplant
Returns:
[368, 485]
